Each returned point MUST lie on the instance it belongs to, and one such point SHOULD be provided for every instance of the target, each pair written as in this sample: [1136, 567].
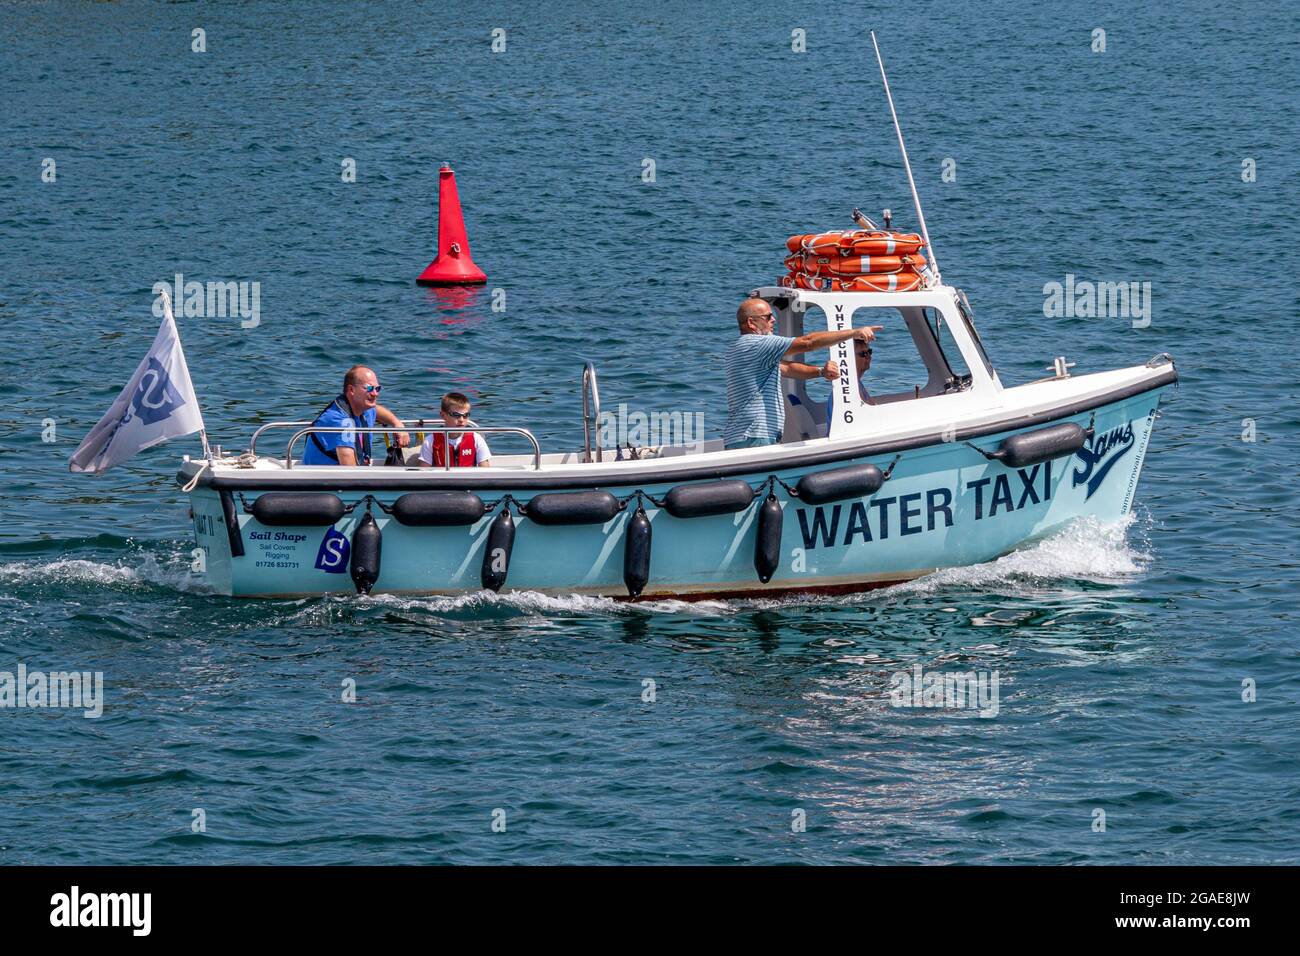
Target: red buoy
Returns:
[453, 266]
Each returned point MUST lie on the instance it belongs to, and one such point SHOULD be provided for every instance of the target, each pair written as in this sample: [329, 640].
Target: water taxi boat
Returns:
[957, 470]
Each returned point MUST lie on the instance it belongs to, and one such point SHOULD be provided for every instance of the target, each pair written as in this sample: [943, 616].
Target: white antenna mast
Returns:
[916, 200]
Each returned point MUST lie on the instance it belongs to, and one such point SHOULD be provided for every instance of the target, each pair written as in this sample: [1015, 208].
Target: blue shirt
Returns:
[338, 415]
[755, 405]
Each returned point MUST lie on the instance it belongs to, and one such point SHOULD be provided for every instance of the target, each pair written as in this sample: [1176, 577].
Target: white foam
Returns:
[141, 569]
[520, 600]
[67, 571]
[536, 602]
[1084, 549]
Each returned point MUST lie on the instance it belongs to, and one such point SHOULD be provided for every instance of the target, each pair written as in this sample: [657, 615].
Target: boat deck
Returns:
[959, 416]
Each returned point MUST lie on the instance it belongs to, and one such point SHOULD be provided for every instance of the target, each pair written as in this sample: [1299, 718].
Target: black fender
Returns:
[1039, 445]
[709, 498]
[767, 542]
[496, 553]
[573, 507]
[312, 509]
[367, 543]
[636, 553]
[836, 484]
[433, 509]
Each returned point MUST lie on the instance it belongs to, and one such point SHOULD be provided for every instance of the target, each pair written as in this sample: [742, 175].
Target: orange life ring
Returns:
[856, 242]
[894, 282]
[846, 266]
[891, 244]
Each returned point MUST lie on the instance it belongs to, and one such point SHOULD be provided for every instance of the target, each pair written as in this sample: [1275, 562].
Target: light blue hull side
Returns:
[944, 505]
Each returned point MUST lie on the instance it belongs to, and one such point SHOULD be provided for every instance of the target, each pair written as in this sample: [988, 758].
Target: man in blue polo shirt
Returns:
[754, 364]
[357, 408]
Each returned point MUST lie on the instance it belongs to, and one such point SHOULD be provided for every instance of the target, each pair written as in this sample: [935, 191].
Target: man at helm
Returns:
[754, 365]
[357, 408]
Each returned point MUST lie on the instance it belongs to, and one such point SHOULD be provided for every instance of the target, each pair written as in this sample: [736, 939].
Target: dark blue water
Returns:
[1121, 651]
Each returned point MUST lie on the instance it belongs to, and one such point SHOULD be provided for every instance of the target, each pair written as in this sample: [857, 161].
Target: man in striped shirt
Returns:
[754, 365]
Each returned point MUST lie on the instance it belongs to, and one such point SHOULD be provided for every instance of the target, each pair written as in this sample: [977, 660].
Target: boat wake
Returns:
[136, 570]
[534, 602]
[1085, 550]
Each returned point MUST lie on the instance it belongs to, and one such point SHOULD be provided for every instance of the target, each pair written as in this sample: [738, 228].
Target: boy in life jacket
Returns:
[469, 450]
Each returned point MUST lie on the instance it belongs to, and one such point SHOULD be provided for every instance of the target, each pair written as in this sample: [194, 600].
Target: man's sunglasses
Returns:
[464, 415]
[373, 389]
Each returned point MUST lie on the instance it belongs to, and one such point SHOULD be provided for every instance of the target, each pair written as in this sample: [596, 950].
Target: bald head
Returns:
[753, 317]
[361, 388]
[357, 375]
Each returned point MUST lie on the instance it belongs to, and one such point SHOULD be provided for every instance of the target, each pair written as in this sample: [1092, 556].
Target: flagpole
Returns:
[167, 310]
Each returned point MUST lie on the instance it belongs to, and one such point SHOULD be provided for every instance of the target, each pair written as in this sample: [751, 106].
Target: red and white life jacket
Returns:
[466, 451]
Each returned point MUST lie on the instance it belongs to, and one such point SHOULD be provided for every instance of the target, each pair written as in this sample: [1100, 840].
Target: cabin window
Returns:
[948, 349]
[896, 366]
[963, 306]
[915, 355]
[897, 369]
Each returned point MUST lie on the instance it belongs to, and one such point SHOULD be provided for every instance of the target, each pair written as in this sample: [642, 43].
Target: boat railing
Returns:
[252, 445]
[590, 411]
[307, 428]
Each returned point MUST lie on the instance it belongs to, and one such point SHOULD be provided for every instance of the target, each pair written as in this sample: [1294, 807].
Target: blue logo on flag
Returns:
[156, 398]
[334, 551]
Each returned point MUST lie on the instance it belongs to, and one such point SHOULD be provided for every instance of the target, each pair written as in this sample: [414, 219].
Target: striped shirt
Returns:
[755, 405]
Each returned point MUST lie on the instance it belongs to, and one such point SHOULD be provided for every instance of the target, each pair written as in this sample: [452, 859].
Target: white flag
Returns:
[158, 404]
